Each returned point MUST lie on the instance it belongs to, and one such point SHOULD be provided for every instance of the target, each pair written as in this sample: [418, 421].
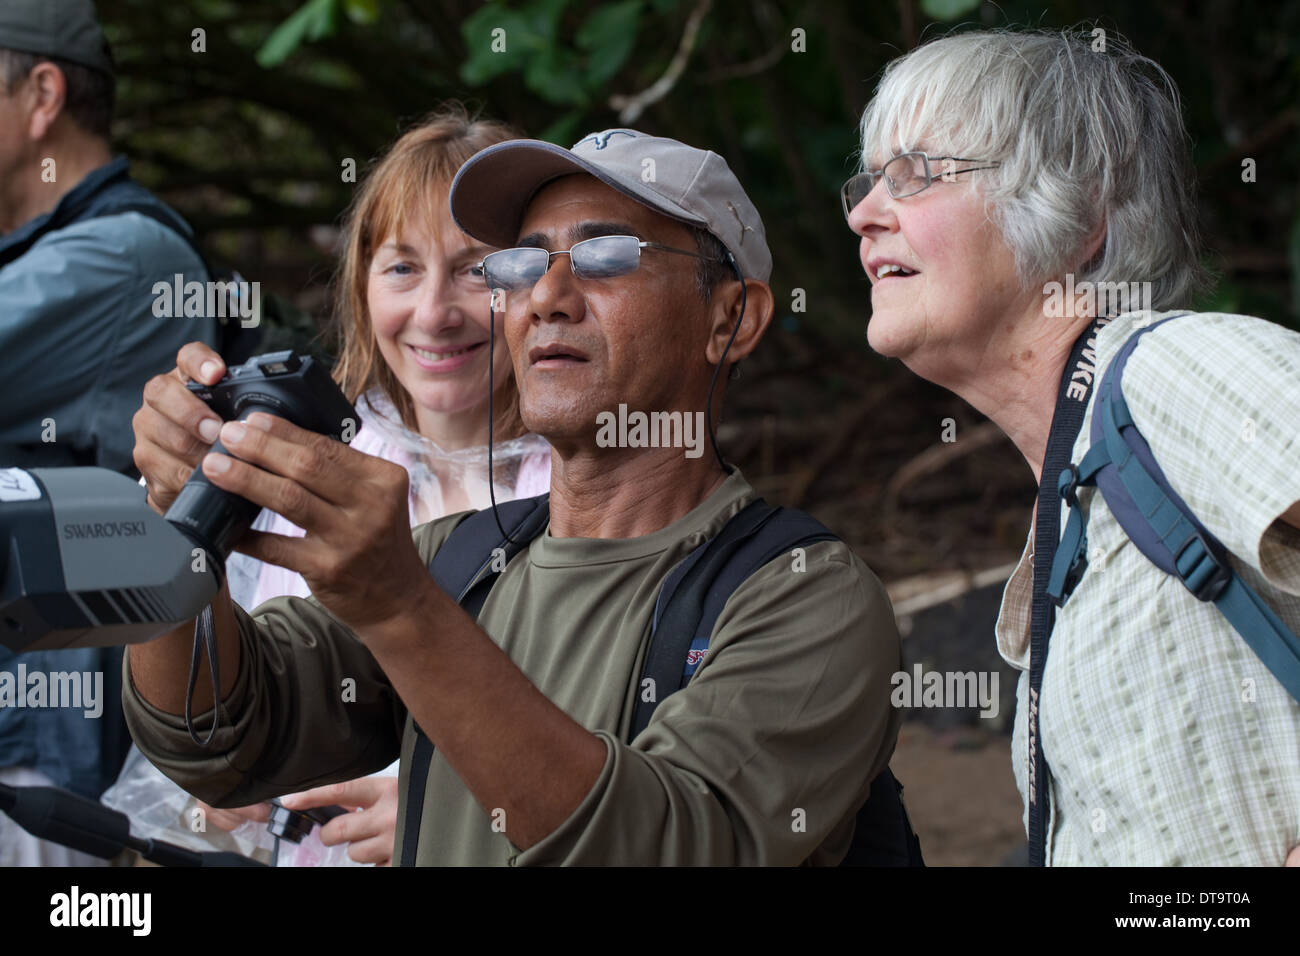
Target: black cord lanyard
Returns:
[1071, 402]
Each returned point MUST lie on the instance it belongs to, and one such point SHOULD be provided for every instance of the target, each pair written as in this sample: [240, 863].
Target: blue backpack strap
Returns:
[689, 603]
[1162, 526]
[1071, 560]
[463, 567]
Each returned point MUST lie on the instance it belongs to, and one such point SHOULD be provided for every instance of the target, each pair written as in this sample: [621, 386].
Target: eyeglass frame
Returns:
[929, 176]
[641, 244]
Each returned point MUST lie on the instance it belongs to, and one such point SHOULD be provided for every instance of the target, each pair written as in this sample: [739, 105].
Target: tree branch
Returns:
[631, 107]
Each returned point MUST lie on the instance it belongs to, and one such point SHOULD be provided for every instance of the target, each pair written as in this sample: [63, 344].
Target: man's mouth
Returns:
[556, 356]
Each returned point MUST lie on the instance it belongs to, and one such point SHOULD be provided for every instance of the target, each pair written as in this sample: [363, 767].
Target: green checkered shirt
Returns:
[1169, 742]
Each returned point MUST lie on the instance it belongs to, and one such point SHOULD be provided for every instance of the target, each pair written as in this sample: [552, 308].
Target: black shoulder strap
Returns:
[1072, 398]
[472, 546]
[696, 591]
[65, 216]
[691, 599]
[470, 560]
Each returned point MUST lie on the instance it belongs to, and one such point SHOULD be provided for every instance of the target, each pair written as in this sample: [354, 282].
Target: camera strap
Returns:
[204, 635]
[1077, 383]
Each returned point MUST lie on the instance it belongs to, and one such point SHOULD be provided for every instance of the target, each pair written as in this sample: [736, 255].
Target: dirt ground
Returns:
[960, 794]
[954, 764]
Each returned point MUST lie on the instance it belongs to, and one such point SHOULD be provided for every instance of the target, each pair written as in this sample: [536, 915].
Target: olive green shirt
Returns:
[764, 758]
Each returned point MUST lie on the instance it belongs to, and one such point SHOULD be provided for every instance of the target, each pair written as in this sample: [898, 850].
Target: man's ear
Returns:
[724, 312]
[44, 92]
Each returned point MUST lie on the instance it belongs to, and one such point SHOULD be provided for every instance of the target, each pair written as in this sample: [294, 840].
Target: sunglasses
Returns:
[905, 175]
[604, 257]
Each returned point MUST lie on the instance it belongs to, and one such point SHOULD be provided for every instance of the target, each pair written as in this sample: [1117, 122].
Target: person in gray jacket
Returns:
[82, 248]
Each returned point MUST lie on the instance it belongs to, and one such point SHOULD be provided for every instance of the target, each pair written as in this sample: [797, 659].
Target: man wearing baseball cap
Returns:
[633, 269]
[81, 247]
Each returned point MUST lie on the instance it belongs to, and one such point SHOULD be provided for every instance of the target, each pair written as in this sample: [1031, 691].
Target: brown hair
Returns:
[413, 179]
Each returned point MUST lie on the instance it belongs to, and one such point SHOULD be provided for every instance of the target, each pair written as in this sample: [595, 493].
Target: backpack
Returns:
[235, 343]
[1162, 526]
[689, 602]
[117, 194]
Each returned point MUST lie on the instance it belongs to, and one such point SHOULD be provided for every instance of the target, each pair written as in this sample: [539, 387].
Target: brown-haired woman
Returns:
[412, 321]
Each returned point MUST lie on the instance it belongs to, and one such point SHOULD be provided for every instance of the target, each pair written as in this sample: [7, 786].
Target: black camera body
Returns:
[295, 387]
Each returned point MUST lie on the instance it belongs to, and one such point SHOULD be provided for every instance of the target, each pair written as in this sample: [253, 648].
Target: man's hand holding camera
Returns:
[358, 555]
[362, 564]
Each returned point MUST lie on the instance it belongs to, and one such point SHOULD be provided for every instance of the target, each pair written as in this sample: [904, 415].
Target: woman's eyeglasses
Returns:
[604, 257]
[905, 175]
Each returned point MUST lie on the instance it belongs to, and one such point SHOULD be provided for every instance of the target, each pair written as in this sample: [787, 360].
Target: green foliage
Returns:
[565, 130]
[608, 37]
[314, 20]
[503, 40]
[948, 9]
[500, 40]
[364, 12]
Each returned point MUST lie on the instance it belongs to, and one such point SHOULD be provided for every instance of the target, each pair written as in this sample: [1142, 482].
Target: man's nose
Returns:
[557, 294]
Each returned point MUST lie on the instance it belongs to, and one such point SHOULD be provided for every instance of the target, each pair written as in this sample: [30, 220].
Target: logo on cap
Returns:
[743, 228]
[602, 139]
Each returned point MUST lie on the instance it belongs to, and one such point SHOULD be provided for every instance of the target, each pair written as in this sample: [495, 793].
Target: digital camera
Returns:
[292, 386]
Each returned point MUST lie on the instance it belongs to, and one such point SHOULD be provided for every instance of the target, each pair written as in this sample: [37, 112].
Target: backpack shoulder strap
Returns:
[690, 601]
[472, 546]
[1070, 560]
[1163, 527]
[466, 567]
[696, 591]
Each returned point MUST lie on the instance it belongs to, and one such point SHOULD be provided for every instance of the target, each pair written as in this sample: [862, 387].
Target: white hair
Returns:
[1086, 131]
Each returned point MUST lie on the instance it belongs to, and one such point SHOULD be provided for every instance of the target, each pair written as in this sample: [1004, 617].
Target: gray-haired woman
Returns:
[1026, 206]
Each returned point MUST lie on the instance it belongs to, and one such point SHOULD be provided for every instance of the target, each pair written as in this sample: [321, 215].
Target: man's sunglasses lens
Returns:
[513, 269]
[601, 258]
[606, 257]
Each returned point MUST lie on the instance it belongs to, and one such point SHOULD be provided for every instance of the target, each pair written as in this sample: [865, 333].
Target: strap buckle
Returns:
[1202, 568]
[1073, 574]
[1067, 483]
[1073, 548]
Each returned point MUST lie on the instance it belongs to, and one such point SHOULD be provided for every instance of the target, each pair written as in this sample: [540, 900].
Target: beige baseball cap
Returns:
[493, 189]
